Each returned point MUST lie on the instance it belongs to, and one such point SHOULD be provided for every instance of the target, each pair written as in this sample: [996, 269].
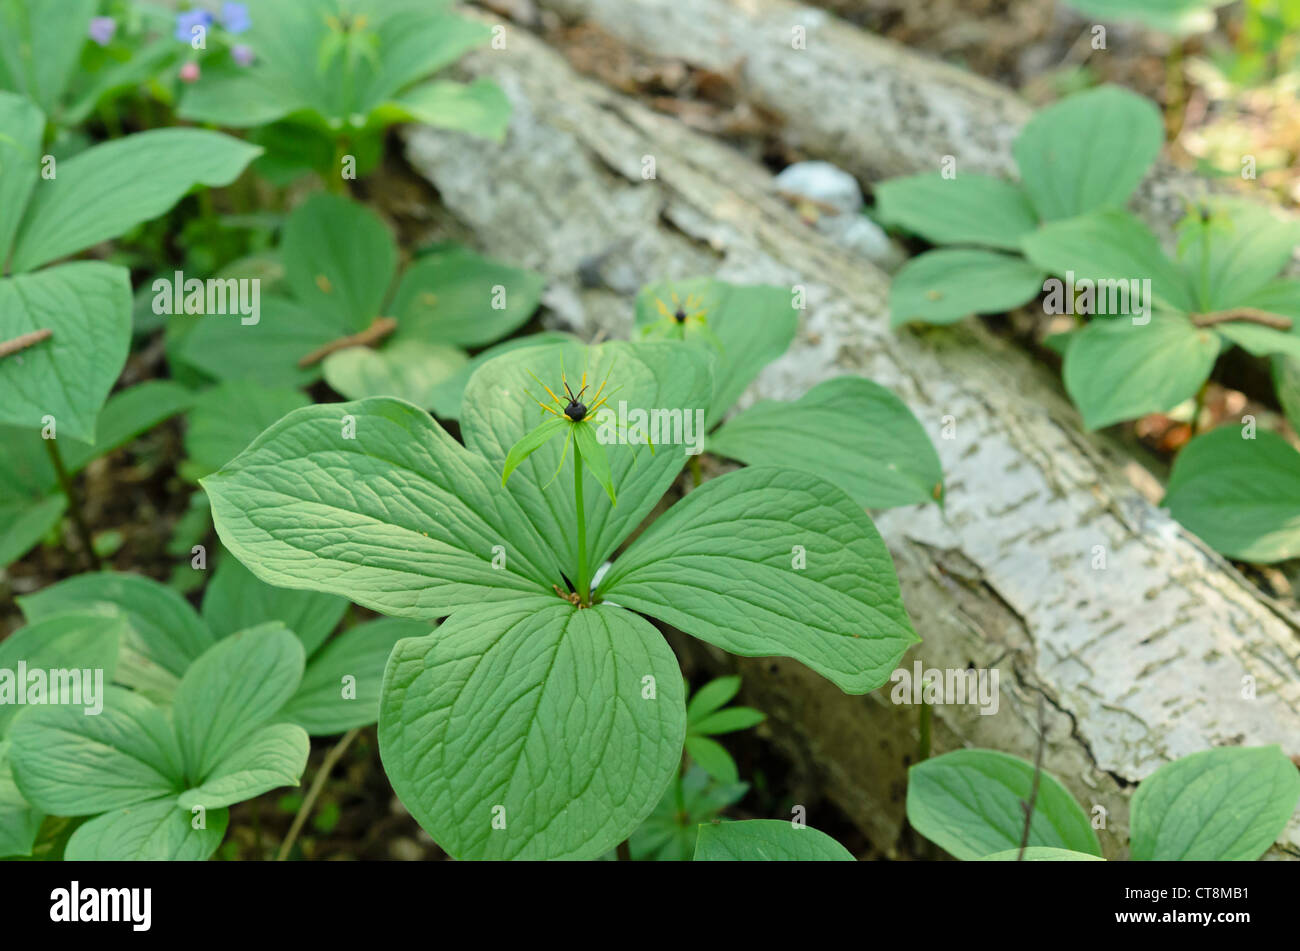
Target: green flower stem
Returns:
[584, 575]
[78, 518]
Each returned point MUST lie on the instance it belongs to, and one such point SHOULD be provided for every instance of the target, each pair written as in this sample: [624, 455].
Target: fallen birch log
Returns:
[1046, 563]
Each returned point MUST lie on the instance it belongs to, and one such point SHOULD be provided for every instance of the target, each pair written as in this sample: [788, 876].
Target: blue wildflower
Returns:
[235, 18]
[187, 21]
[102, 30]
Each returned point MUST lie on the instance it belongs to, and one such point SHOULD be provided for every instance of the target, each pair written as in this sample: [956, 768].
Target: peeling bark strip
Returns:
[1046, 564]
[380, 328]
[26, 340]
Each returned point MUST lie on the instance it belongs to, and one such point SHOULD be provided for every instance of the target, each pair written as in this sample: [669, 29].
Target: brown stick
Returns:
[380, 328]
[1249, 315]
[26, 340]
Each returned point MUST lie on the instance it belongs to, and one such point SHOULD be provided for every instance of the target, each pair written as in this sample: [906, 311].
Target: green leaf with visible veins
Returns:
[969, 803]
[767, 561]
[1242, 496]
[1117, 370]
[271, 757]
[157, 831]
[100, 193]
[498, 411]
[712, 757]
[456, 296]
[1227, 804]
[529, 730]
[70, 764]
[849, 430]
[396, 513]
[1235, 252]
[943, 287]
[38, 51]
[748, 326]
[479, 108]
[1088, 151]
[235, 687]
[339, 259]
[766, 840]
[87, 307]
[1112, 246]
[74, 639]
[410, 370]
[162, 630]
[967, 209]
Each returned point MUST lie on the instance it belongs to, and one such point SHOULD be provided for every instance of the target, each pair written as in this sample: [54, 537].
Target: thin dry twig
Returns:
[327, 764]
[1248, 315]
[8, 347]
[380, 328]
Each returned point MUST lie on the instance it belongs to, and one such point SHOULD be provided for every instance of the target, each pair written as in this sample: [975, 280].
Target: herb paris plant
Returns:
[530, 725]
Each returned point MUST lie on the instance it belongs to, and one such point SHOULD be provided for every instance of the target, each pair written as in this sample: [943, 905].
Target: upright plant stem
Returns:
[584, 575]
[78, 519]
[317, 784]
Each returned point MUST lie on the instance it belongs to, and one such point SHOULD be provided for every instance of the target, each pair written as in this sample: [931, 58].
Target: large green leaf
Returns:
[268, 351]
[20, 161]
[498, 410]
[459, 297]
[769, 561]
[1242, 496]
[967, 209]
[226, 418]
[70, 764]
[87, 306]
[375, 499]
[746, 328]
[100, 193]
[1088, 151]
[1110, 246]
[766, 840]
[416, 43]
[969, 803]
[339, 259]
[160, 624]
[408, 369]
[270, 757]
[1117, 370]
[39, 47]
[446, 397]
[943, 287]
[235, 687]
[154, 831]
[1228, 804]
[532, 729]
[340, 689]
[479, 108]
[1235, 251]
[23, 523]
[848, 430]
[74, 640]
[235, 600]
